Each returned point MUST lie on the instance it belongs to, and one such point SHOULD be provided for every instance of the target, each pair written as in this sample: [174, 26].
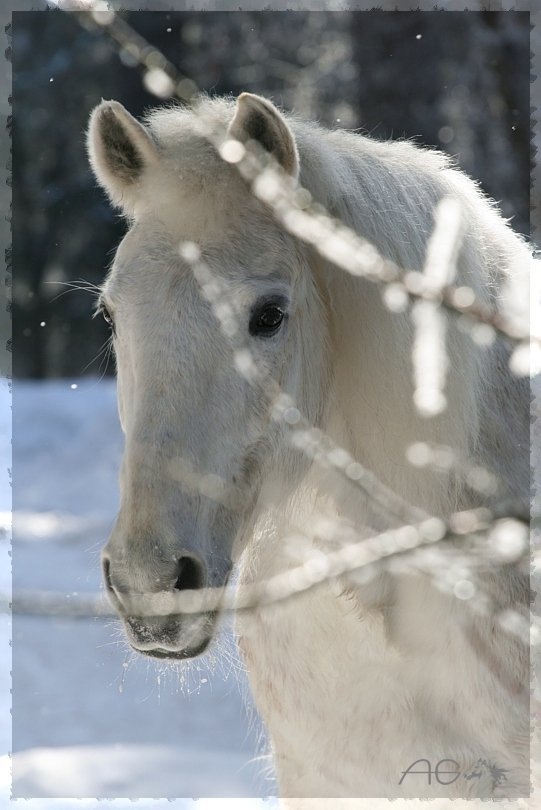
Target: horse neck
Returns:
[373, 415]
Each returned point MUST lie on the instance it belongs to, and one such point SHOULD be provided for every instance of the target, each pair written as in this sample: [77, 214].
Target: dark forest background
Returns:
[459, 81]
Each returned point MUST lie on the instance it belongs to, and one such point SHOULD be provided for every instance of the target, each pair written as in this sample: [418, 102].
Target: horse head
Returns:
[205, 287]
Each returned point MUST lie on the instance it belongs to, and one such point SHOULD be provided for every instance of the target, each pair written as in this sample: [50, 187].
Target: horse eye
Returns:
[267, 319]
[107, 316]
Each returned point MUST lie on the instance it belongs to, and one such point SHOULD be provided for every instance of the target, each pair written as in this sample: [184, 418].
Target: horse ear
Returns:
[119, 150]
[258, 120]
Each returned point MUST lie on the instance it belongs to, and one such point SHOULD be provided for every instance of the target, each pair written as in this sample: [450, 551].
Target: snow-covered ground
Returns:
[89, 718]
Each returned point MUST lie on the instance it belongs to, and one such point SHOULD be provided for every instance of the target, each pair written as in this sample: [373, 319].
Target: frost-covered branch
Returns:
[486, 537]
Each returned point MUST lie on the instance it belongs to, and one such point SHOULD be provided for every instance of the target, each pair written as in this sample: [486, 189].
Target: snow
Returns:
[90, 718]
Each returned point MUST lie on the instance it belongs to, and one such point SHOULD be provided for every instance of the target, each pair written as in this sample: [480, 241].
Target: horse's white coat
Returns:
[355, 680]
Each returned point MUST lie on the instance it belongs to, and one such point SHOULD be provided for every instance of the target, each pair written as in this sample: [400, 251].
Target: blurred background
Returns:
[458, 81]
[86, 713]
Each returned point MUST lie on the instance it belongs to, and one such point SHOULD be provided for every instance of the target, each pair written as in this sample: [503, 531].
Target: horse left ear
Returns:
[256, 119]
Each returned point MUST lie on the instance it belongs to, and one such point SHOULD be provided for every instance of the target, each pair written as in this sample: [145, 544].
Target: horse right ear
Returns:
[119, 150]
[256, 119]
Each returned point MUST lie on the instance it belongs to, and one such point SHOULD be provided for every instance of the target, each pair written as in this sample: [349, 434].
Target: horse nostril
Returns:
[106, 567]
[190, 574]
[113, 595]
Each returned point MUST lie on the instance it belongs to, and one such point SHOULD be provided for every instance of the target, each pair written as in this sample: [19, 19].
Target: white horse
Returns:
[364, 675]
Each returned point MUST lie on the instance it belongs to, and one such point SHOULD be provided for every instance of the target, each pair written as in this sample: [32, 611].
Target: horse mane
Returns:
[387, 193]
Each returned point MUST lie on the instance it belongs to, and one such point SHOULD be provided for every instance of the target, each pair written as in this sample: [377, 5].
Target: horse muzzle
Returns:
[154, 621]
[173, 637]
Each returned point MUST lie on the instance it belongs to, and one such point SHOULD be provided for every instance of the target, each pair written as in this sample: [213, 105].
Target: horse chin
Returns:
[175, 642]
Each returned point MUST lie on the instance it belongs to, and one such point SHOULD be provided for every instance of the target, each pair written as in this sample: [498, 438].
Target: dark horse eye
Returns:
[267, 318]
